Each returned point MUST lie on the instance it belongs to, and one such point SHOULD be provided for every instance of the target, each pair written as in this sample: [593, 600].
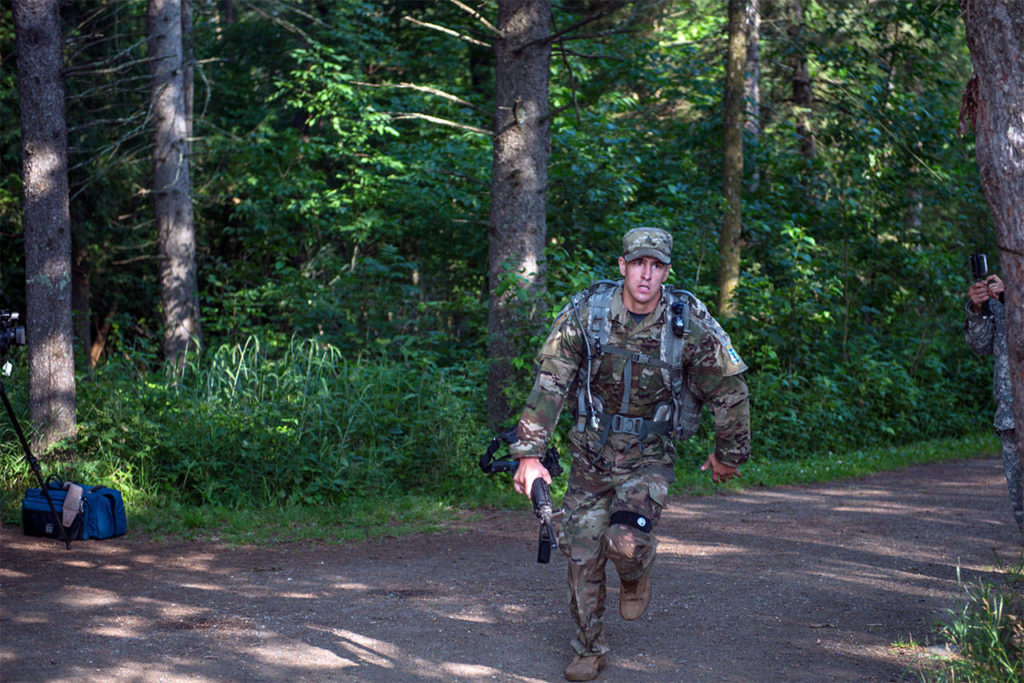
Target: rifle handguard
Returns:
[540, 494]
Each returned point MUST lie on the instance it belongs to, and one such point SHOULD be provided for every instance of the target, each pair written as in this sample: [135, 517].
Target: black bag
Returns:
[100, 512]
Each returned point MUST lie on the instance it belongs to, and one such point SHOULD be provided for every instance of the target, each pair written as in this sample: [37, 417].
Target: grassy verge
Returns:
[165, 518]
[985, 631]
[832, 466]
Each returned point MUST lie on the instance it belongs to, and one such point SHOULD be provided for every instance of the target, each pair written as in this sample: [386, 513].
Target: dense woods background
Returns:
[340, 162]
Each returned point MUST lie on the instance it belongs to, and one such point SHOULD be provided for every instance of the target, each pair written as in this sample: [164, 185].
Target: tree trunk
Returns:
[172, 192]
[188, 71]
[47, 221]
[801, 81]
[732, 167]
[517, 229]
[752, 84]
[995, 36]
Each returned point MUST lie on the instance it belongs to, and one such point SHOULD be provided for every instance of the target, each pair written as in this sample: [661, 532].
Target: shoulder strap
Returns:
[599, 306]
[686, 414]
[598, 301]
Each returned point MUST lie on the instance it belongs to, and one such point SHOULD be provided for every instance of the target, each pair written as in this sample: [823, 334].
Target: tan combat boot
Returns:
[634, 596]
[584, 668]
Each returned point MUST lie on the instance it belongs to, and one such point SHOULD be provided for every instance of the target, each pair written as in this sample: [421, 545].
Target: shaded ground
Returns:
[815, 583]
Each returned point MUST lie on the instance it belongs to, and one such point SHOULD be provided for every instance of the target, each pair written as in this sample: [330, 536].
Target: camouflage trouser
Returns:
[1011, 468]
[589, 539]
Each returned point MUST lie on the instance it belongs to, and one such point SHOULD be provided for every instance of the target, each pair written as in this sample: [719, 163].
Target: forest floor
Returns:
[844, 581]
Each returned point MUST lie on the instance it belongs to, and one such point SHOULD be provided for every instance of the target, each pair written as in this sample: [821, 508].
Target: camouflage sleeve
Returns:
[978, 331]
[559, 360]
[715, 375]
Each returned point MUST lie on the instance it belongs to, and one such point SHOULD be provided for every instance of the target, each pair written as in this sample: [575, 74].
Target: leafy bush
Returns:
[250, 425]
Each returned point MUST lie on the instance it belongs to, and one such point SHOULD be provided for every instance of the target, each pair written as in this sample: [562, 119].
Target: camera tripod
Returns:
[34, 464]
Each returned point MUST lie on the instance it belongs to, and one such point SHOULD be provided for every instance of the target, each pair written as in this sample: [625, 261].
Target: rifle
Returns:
[979, 269]
[540, 493]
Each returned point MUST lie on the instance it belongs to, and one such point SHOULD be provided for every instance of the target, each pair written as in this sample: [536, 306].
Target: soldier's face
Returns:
[643, 279]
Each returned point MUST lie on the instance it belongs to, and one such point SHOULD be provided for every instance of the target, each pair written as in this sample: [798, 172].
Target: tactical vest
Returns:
[682, 418]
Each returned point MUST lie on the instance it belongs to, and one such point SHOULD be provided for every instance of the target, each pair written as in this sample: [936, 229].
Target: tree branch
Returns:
[448, 31]
[476, 15]
[399, 115]
[420, 88]
[610, 8]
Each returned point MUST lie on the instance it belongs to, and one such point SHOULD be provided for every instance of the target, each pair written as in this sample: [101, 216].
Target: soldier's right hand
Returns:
[979, 294]
[529, 469]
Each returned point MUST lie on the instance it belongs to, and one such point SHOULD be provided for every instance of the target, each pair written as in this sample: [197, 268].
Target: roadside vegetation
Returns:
[342, 448]
[985, 631]
[340, 390]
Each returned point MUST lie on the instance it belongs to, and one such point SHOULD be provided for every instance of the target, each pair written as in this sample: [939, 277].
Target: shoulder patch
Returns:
[560, 319]
[730, 361]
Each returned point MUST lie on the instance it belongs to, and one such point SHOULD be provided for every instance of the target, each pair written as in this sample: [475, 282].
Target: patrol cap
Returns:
[653, 242]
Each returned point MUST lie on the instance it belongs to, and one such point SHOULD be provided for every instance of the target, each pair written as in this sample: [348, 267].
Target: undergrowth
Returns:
[986, 631]
[323, 440]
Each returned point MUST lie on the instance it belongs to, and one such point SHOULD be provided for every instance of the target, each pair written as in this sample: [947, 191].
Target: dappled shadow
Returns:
[811, 583]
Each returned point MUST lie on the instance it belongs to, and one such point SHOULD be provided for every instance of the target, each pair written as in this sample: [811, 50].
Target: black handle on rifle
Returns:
[540, 494]
[489, 465]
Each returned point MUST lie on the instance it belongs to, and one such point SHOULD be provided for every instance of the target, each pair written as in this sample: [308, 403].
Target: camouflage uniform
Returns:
[986, 335]
[619, 482]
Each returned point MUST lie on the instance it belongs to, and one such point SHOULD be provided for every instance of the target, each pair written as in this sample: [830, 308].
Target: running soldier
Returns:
[637, 359]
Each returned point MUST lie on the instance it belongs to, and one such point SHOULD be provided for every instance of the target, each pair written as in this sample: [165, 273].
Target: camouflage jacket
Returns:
[712, 366]
[986, 335]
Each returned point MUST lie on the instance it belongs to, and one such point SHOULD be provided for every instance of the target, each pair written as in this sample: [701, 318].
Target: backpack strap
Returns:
[686, 407]
[598, 302]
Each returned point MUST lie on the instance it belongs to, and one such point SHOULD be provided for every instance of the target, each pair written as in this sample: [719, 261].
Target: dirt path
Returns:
[811, 583]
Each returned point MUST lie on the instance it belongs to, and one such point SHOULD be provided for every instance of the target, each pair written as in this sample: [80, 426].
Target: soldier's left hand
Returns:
[720, 472]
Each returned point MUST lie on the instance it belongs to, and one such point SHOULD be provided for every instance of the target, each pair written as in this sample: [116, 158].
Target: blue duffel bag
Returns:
[97, 513]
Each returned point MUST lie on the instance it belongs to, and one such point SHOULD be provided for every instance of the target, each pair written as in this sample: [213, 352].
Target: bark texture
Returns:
[517, 227]
[47, 221]
[172, 191]
[995, 36]
[752, 86]
[732, 166]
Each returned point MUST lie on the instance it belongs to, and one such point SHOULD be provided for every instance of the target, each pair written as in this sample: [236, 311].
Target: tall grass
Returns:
[987, 630]
[251, 426]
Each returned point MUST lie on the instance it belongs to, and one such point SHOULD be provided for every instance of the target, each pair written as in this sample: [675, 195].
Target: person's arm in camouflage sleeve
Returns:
[715, 375]
[560, 359]
[728, 400]
[978, 327]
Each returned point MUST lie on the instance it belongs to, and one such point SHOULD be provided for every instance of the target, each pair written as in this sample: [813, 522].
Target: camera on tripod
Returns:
[11, 333]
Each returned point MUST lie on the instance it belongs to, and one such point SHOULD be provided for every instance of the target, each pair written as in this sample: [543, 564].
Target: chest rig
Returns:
[681, 417]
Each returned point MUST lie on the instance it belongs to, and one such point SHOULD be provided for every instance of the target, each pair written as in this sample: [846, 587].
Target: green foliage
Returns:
[255, 425]
[347, 233]
[987, 630]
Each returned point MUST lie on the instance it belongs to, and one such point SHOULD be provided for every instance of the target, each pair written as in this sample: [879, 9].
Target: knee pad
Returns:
[628, 535]
[633, 519]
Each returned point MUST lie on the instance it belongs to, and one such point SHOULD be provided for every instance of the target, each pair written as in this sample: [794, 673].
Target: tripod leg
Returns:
[34, 465]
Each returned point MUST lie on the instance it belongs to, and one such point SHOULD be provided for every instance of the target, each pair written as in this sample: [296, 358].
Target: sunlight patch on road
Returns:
[366, 649]
[380, 653]
[352, 586]
[473, 618]
[202, 586]
[31, 618]
[671, 546]
[314, 659]
[122, 627]
[11, 574]
[88, 596]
